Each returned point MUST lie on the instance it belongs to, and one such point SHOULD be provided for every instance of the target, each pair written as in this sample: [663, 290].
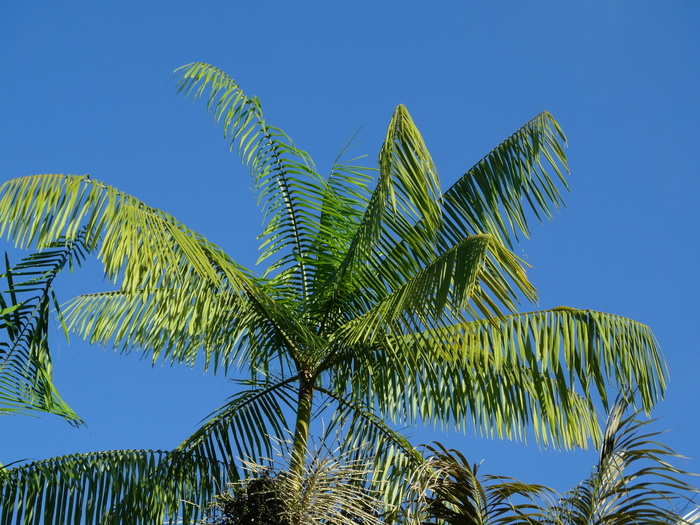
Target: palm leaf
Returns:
[451, 490]
[407, 191]
[156, 257]
[81, 488]
[487, 199]
[290, 189]
[550, 355]
[144, 487]
[343, 206]
[43, 209]
[25, 362]
[496, 195]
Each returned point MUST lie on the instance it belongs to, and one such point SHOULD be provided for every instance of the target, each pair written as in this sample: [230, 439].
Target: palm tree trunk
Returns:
[301, 429]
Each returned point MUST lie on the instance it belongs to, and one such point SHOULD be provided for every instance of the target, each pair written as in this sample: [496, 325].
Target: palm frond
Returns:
[81, 488]
[343, 206]
[409, 380]
[551, 355]
[290, 189]
[474, 279]
[175, 324]
[407, 191]
[593, 349]
[142, 245]
[199, 468]
[145, 487]
[25, 362]
[487, 199]
[246, 425]
[513, 180]
[153, 253]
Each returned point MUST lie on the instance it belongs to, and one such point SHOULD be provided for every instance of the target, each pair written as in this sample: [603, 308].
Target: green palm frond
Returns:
[576, 348]
[291, 191]
[174, 324]
[497, 194]
[633, 482]
[487, 199]
[145, 487]
[551, 355]
[407, 191]
[188, 477]
[539, 371]
[409, 381]
[246, 425]
[81, 488]
[25, 362]
[169, 270]
[141, 245]
[343, 206]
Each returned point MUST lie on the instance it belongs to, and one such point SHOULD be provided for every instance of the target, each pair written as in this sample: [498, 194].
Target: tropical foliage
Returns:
[634, 481]
[331, 489]
[383, 299]
[25, 363]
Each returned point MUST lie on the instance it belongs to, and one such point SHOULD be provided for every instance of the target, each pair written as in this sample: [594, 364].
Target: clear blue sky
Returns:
[86, 89]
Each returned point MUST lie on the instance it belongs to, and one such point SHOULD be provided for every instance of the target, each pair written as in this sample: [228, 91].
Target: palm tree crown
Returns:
[389, 300]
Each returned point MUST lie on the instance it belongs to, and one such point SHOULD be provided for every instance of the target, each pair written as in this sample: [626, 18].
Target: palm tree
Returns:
[634, 482]
[450, 491]
[386, 301]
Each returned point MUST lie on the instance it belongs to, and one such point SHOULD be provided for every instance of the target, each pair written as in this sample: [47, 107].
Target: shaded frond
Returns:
[188, 477]
[84, 488]
[25, 361]
[245, 426]
[144, 487]
[451, 490]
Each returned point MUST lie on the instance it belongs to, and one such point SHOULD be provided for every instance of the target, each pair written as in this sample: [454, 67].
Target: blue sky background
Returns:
[86, 89]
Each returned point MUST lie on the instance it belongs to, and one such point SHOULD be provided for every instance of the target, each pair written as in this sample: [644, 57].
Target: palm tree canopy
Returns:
[383, 295]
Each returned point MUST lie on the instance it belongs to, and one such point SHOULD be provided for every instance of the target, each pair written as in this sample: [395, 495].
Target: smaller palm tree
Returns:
[451, 492]
[632, 483]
